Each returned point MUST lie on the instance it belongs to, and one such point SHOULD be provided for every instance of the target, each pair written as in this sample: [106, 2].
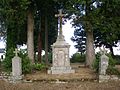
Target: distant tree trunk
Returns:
[42, 29]
[90, 52]
[30, 31]
[111, 50]
[39, 47]
[46, 41]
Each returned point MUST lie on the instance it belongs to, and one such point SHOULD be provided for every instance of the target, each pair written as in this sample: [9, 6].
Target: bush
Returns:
[39, 66]
[96, 62]
[26, 64]
[117, 57]
[49, 58]
[77, 57]
[7, 62]
[112, 71]
[112, 62]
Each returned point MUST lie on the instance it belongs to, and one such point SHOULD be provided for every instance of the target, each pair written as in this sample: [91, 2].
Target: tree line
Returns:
[32, 22]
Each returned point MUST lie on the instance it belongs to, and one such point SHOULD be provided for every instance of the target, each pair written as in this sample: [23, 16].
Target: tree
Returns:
[105, 23]
[19, 19]
[46, 41]
[82, 10]
[30, 37]
[15, 13]
[44, 9]
[14, 16]
[108, 23]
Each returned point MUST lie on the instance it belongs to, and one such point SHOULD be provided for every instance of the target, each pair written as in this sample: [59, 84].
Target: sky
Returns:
[2, 44]
[68, 31]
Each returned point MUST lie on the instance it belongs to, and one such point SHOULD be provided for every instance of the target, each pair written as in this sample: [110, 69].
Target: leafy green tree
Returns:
[13, 16]
[82, 10]
[77, 57]
[102, 18]
[108, 23]
[19, 21]
[46, 25]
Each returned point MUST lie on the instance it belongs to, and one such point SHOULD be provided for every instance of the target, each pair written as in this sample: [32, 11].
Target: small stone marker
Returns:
[16, 66]
[103, 63]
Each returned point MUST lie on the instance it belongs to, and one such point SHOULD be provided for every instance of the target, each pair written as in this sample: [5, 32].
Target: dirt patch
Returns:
[83, 79]
[80, 74]
[60, 86]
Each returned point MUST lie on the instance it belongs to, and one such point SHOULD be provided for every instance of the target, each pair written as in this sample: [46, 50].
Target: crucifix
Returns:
[60, 16]
[102, 52]
[16, 52]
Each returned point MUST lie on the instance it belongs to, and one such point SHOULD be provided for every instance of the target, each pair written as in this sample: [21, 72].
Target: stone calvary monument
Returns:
[60, 50]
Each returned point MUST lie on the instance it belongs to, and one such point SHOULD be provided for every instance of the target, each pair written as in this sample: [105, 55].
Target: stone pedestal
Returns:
[60, 58]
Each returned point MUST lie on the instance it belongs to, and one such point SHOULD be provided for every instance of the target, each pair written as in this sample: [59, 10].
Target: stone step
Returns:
[8, 77]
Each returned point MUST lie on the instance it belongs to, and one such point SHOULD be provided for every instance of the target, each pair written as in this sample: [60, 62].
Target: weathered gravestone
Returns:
[16, 66]
[103, 65]
[104, 62]
[60, 50]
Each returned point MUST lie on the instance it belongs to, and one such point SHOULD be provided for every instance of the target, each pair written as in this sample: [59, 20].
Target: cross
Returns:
[60, 15]
[16, 52]
[102, 52]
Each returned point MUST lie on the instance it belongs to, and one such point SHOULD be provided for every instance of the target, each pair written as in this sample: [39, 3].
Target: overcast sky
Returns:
[68, 31]
[2, 44]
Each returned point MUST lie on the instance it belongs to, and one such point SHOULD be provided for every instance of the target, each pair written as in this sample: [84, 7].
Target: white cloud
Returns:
[2, 44]
[68, 31]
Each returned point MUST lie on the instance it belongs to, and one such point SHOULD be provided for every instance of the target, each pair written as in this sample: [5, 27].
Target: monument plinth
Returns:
[60, 50]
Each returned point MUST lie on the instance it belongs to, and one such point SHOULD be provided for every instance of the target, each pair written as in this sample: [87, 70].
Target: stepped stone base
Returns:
[106, 78]
[60, 70]
[15, 79]
[10, 78]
